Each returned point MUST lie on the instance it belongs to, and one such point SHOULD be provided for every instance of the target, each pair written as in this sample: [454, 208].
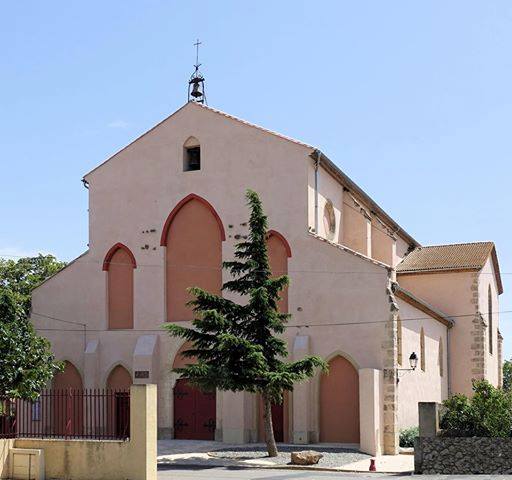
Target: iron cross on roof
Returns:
[197, 65]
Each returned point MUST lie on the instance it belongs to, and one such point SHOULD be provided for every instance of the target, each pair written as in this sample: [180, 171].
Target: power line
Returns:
[333, 324]
[220, 268]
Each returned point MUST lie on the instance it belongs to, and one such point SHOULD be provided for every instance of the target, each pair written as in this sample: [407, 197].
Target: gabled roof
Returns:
[449, 258]
[351, 186]
[253, 125]
[420, 304]
[206, 107]
[333, 169]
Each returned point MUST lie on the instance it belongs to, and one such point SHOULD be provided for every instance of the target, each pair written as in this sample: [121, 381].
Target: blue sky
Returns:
[413, 100]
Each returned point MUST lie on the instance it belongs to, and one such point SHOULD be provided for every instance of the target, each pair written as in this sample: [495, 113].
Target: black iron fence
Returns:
[99, 414]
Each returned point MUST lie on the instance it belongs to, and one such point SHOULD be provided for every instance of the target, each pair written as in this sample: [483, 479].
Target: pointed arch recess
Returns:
[113, 250]
[339, 401]
[119, 378]
[191, 142]
[275, 233]
[278, 251]
[182, 361]
[177, 208]
[69, 377]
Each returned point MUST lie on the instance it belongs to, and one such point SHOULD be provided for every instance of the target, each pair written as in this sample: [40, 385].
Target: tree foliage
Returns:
[21, 276]
[27, 363]
[507, 375]
[407, 436]
[238, 345]
[488, 413]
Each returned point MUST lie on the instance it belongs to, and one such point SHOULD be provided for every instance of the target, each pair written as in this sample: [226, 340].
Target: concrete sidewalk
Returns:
[383, 464]
[207, 454]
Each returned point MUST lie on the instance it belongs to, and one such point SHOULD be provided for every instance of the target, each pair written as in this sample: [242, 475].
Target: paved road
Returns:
[194, 473]
[226, 473]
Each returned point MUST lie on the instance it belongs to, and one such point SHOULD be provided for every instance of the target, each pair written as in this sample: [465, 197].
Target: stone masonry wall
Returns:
[390, 361]
[478, 333]
[463, 456]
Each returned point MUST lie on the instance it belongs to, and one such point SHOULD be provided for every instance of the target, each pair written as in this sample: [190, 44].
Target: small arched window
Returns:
[399, 339]
[491, 331]
[329, 220]
[422, 349]
[119, 264]
[191, 155]
[441, 357]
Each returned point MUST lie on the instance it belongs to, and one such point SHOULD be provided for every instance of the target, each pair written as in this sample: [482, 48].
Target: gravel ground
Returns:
[333, 456]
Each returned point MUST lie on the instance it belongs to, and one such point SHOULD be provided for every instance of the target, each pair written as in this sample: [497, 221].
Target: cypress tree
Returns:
[238, 345]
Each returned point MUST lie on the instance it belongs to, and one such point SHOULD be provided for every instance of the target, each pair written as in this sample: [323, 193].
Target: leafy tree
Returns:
[407, 436]
[487, 414]
[507, 375]
[26, 360]
[237, 344]
[23, 275]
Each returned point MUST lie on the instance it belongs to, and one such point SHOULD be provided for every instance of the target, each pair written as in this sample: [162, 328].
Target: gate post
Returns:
[143, 431]
[370, 416]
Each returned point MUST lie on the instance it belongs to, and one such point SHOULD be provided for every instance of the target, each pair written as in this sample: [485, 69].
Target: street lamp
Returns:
[413, 362]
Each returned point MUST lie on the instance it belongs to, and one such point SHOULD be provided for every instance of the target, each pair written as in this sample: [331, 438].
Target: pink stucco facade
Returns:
[341, 279]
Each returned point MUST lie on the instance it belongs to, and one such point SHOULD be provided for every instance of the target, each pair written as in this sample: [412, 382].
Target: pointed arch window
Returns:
[422, 349]
[441, 357]
[119, 264]
[491, 328]
[192, 234]
[279, 252]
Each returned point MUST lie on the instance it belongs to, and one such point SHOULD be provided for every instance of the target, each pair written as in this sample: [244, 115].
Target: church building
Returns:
[397, 322]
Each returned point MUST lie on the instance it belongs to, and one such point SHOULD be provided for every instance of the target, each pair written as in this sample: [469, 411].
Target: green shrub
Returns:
[407, 436]
[487, 414]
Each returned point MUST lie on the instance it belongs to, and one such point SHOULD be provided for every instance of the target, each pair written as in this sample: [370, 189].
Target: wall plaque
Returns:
[141, 373]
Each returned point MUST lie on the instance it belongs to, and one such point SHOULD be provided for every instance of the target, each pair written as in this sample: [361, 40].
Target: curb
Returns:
[288, 467]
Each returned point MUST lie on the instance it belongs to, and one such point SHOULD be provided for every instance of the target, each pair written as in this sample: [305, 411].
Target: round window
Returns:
[329, 220]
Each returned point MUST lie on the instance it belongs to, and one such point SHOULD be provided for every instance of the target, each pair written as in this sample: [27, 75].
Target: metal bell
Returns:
[196, 92]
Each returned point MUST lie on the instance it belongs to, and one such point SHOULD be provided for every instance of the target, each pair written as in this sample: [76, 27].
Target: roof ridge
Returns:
[254, 125]
[457, 244]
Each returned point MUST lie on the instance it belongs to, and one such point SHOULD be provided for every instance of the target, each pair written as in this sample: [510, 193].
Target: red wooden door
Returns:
[194, 413]
[278, 422]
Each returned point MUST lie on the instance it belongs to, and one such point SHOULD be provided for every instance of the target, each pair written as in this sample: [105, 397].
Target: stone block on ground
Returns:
[306, 457]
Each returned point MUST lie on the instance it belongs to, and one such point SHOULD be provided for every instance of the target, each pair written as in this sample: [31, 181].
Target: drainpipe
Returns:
[317, 164]
[448, 366]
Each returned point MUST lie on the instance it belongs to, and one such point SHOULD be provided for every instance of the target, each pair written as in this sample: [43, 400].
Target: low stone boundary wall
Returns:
[134, 459]
[5, 446]
[463, 456]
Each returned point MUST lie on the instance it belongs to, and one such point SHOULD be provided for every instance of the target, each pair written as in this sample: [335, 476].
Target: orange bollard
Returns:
[372, 465]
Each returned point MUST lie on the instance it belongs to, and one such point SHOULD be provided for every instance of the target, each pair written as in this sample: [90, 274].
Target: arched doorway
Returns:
[67, 402]
[194, 410]
[119, 380]
[339, 403]
[278, 251]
